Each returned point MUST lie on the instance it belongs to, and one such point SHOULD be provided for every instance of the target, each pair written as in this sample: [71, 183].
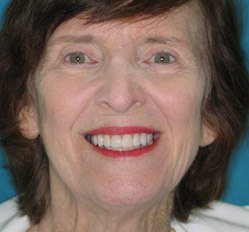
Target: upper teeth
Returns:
[122, 142]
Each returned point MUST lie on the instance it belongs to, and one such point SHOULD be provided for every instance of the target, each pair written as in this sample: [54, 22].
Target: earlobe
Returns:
[28, 122]
[208, 136]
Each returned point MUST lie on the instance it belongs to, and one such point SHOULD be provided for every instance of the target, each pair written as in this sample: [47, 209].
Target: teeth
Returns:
[116, 142]
[149, 138]
[107, 141]
[100, 140]
[143, 139]
[127, 141]
[136, 140]
[94, 140]
[122, 142]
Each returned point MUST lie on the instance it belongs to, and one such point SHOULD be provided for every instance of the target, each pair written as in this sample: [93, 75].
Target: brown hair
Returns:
[28, 26]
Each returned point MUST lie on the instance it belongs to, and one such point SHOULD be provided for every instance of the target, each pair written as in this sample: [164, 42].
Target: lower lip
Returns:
[121, 154]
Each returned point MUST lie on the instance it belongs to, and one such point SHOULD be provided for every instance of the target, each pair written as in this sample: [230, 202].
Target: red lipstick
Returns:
[124, 130]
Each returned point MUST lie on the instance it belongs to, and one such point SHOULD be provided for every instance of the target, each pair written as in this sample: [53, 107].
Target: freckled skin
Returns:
[119, 84]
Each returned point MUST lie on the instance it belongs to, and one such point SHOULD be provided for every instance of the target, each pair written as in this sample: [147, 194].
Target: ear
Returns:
[208, 135]
[28, 122]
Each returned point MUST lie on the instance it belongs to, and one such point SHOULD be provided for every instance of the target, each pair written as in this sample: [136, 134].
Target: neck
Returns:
[68, 214]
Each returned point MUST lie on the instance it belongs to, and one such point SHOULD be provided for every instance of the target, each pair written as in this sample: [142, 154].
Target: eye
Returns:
[81, 59]
[163, 58]
[77, 58]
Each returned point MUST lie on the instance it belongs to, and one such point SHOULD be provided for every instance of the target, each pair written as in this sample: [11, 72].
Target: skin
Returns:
[120, 84]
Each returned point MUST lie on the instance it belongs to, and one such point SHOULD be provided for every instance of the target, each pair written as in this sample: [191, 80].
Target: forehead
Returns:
[180, 25]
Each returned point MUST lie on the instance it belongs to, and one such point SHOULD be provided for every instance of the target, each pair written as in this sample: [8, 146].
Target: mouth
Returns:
[123, 141]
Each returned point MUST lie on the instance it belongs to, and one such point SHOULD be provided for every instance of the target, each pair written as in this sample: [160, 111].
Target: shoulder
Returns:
[11, 219]
[219, 217]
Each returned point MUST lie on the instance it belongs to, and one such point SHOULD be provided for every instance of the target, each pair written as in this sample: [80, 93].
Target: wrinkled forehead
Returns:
[181, 25]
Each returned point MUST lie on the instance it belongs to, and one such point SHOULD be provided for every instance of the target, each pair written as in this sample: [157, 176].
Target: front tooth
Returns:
[136, 140]
[100, 140]
[116, 142]
[143, 139]
[107, 141]
[127, 141]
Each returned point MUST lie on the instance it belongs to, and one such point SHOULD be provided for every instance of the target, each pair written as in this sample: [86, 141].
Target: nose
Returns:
[120, 89]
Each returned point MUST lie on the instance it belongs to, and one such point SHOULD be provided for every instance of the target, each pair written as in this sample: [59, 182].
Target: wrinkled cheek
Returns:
[53, 123]
[184, 133]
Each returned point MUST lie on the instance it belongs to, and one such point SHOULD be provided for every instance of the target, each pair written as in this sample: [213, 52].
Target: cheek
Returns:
[60, 107]
[180, 108]
[181, 100]
[61, 103]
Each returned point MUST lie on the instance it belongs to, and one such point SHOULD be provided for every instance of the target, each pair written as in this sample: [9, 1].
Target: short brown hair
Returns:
[26, 30]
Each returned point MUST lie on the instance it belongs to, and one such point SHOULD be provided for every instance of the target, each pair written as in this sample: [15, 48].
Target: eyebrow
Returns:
[74, 39]
[165, 40]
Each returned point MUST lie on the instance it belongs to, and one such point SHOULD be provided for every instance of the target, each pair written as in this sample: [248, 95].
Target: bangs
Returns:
[107, 10]
[97, 11]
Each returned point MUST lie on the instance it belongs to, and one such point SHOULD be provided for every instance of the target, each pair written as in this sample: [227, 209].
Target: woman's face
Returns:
[139, 74]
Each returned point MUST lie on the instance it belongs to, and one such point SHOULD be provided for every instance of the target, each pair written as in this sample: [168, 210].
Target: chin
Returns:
[129, 191]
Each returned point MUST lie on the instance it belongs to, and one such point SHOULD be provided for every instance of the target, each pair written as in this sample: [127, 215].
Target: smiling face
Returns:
[143, 74]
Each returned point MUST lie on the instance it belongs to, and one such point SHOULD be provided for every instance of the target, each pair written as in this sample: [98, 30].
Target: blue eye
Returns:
[77, 58]
[163, 58]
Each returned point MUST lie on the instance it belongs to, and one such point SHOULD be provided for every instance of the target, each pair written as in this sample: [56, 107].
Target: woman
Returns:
[121, 115]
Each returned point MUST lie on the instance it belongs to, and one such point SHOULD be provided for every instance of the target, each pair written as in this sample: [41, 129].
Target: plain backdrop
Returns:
[237, 191]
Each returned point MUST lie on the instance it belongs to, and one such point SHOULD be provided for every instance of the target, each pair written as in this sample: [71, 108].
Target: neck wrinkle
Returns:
[159, 219]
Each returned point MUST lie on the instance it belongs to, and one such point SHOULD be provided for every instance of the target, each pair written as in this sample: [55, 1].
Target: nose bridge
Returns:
[120, 90]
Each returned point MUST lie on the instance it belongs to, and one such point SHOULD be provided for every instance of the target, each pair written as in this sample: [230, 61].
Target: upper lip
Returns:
[117, 130]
